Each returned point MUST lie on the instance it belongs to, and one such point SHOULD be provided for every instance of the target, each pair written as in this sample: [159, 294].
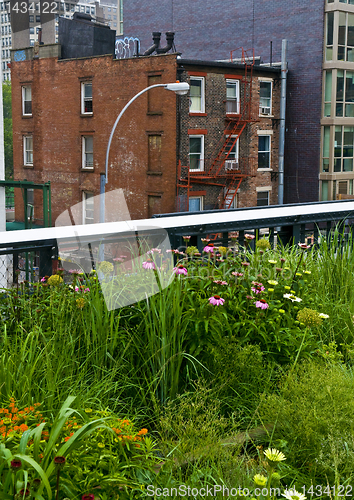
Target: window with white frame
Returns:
[196, 95]
[28, 150]
[232, 96]
[264, 151]
[195, 204]
[196, 152]
[87, 152]
[263, 198]
[230, 197]
[231, 152]
[87, 208]
[86, 98]
[265, 97]
[27, 100]
[346, 37]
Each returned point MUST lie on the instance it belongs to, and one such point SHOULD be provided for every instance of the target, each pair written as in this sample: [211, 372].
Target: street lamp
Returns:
[180, 88]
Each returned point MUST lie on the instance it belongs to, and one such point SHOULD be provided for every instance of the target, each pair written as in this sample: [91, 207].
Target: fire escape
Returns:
[222, 169]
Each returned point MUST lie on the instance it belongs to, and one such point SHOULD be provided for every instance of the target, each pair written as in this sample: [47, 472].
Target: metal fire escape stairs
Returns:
[220, 170]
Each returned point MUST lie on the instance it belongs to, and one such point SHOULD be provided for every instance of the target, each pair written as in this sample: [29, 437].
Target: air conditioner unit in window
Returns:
[231, 165]
[265, 111]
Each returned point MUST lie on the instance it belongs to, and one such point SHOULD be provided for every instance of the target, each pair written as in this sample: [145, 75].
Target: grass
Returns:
[214, 385]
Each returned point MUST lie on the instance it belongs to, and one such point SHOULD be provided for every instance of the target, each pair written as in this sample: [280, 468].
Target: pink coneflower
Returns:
[235, 273]
[262, 304]
[258, 288]
[249, 297]
[186, 238]
[43, 280]
[205, 240]
[216, 300]
[118, 259]
[220, 282]
[154, 250]
[86, 290]
[209, 248]
[245, 264]
[149, 264]
[77, 289]
[74, 271]
[180, 270]
[304, 246]
[249, 237]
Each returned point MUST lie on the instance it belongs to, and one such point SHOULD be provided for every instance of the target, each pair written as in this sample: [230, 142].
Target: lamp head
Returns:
[180, 88]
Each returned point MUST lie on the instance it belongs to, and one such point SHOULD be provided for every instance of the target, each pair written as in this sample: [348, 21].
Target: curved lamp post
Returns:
[180, 88]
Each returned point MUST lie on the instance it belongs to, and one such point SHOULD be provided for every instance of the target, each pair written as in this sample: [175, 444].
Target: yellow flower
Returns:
[260, 480]
[55, 280]
[281, 311]
[287, 287]
[270, 289]
[272, 261]
[309, 317]
[274, 455]
[272, 282]
[88, 410]
[106, 267]
[307, 272]
[80, 303]
[101, 445]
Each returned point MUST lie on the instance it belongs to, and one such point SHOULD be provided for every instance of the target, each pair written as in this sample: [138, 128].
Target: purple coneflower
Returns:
[216, 300]
[149, 264]
[262, 304]
[209, 248]
[235, 273]
[220, 282]
[180, 270]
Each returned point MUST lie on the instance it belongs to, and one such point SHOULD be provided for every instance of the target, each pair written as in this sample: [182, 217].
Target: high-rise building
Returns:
[205, 29]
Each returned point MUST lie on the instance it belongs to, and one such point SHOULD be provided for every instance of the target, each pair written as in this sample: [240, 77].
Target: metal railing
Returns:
[286, 223]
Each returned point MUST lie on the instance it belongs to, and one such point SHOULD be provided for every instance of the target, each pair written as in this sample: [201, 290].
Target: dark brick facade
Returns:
[209, 30]
[212, 125]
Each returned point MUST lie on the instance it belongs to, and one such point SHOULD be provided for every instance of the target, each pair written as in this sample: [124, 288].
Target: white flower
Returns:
[291, 297]
[323, 315]
[292, 494]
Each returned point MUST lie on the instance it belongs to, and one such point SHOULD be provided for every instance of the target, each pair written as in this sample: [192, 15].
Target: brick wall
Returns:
[208, 30]
[57, 127]
[212, 125]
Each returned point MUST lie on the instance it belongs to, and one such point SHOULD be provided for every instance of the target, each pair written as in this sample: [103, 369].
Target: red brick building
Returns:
[64, 110]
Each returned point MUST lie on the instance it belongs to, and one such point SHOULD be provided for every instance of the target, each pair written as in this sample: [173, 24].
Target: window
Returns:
[325, 149]
[232, 96]
[264, 151]
[345, 93]
[154, 154]
[27, 100]
[28, 150]
[87, 208]
[231, 151]
[31, 30]
[327, 93]
[196, 152]
[196, 95]
[72, 7]
[342, 187]
[195, 203]
[86, 98]
[324, 191]
[329, 36]
[87, 10]
[230, 196]
[87, 152]
[343, 149]
[346, 37]
[262, 198]
[92, 11]
[265, 98]
[30, 204]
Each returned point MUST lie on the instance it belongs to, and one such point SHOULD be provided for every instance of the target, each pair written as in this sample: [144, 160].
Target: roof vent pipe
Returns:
[169, 39]
[156, 37]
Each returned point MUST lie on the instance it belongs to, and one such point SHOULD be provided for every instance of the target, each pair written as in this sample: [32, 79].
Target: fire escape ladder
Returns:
[232, 136]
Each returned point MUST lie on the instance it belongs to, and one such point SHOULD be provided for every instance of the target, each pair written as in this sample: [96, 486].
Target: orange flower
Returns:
[142, 432]
[23, 427]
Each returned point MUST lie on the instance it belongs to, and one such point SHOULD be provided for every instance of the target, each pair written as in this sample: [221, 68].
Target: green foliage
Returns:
[313, 414]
